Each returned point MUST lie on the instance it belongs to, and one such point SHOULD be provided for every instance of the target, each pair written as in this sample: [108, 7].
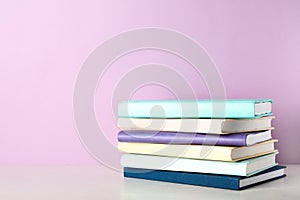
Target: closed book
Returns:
[242, 168]
[211, 126]
[195, 108]
[237, 139]
[205, 152]
[209, 180]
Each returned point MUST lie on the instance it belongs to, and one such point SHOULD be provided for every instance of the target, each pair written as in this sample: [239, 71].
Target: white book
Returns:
[242, 168]
[213, 126]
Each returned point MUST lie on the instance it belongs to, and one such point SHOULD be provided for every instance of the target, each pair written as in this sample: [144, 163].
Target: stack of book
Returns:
[220, 143]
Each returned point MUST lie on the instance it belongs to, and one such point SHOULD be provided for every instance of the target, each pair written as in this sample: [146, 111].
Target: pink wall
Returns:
[255, 45]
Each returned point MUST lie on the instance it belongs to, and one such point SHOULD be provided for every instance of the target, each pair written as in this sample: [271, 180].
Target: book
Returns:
[208, 180]
[211, 126]
[205, 152]
[237, 139]
[242, 168]
[195, 108]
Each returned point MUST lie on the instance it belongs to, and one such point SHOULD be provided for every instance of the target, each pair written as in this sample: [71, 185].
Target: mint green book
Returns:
[195, 108]
[247, 167]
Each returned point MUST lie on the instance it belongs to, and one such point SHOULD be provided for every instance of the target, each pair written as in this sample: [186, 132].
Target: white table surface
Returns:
[98, 182]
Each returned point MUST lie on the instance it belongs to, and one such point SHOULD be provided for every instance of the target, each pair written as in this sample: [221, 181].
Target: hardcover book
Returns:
[195, 108]
[237, 139]
[209, 180]
[242, 168]
[211, 126]
[205, 152]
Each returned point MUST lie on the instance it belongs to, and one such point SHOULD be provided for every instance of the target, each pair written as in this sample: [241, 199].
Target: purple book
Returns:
[235, 139]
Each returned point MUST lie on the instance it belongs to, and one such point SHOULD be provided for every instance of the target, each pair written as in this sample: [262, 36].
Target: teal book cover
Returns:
[195, 108]
[208, 180]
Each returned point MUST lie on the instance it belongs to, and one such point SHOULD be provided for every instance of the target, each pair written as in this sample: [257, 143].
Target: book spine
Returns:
[190, 165]
[208, 180]
[204, 152]
[182, 138]
[172, 125]
[187, 110]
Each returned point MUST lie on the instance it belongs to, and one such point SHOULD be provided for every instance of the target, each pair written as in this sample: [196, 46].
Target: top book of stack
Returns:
[195, 109]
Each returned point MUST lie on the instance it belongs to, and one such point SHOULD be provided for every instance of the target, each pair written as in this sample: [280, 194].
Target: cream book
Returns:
[212, 126]
[205, 152]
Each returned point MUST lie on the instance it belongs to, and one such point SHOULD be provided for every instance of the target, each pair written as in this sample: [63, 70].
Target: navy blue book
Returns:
[209, 180]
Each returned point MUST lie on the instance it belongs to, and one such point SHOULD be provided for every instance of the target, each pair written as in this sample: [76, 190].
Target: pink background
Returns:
[255, 45]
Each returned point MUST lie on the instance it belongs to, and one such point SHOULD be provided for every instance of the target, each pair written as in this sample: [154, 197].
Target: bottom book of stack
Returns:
[209, 180]
[217, 174]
